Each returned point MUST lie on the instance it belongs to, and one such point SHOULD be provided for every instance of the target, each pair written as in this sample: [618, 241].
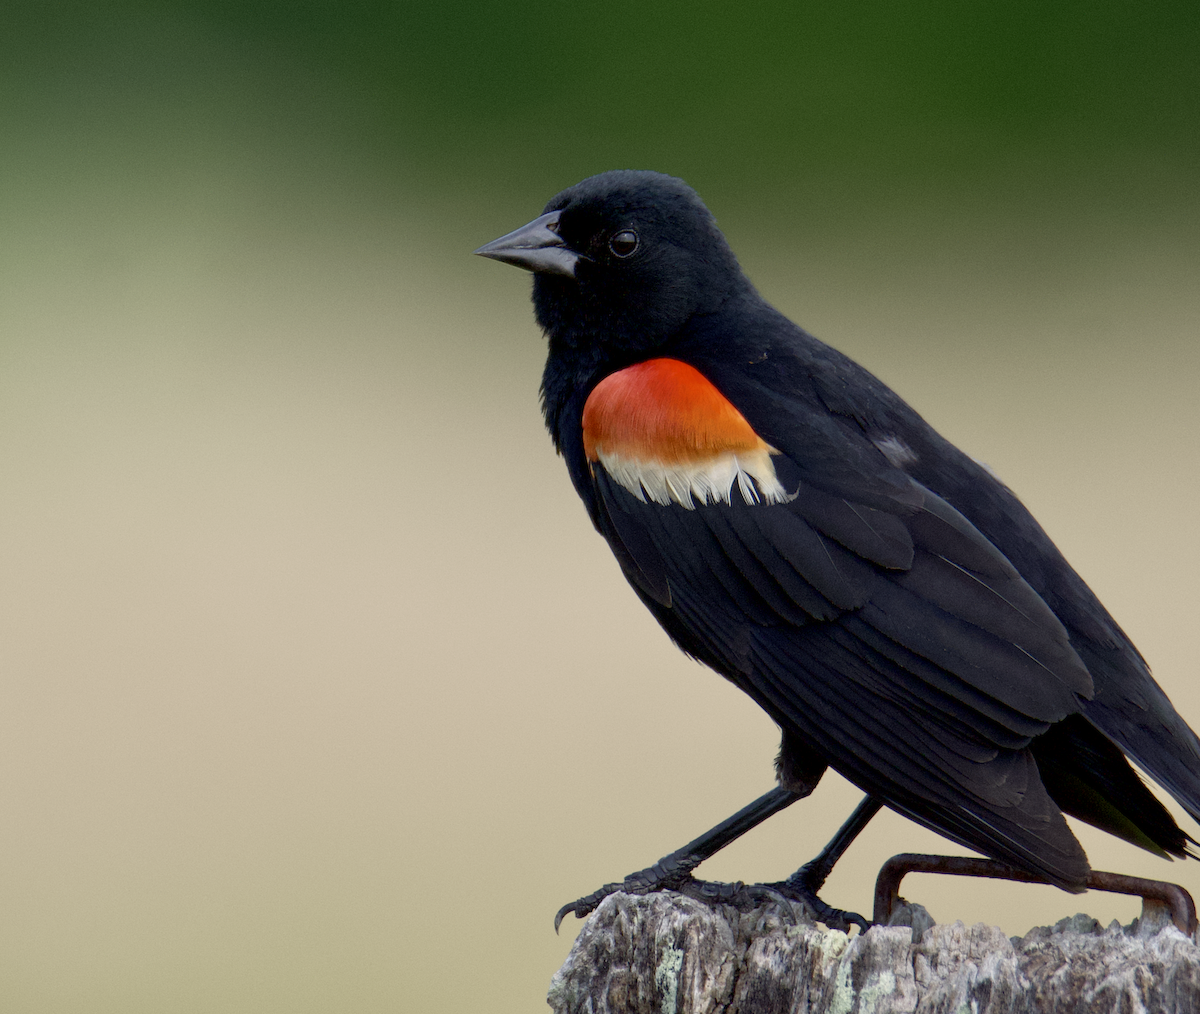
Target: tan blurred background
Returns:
[317, 692]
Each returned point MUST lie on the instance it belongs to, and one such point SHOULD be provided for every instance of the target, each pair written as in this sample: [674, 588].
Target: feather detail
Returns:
[664, 432]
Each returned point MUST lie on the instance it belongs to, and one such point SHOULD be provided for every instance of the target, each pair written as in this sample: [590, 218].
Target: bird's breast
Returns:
[663, 431]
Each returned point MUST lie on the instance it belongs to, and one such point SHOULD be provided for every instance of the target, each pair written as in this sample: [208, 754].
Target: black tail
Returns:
[1088, 776]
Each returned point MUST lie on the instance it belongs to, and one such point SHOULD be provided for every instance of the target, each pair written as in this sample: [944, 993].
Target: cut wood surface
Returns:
[668, 954]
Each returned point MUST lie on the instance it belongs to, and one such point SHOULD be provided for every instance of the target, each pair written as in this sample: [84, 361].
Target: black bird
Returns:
[794, 524]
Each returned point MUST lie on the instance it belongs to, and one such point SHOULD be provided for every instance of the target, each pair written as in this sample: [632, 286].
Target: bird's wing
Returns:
[922, 683]
[887, 629]
[852, 434]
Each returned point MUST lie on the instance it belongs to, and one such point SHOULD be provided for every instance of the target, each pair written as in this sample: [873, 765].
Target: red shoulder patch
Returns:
[663, 411]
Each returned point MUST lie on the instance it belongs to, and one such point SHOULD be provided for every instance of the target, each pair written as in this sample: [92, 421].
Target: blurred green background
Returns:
[318, 693]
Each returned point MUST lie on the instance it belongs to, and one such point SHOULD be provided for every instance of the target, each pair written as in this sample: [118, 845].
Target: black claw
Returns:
[558, 918]
[669, 873]
[585, 906]
[798, 887]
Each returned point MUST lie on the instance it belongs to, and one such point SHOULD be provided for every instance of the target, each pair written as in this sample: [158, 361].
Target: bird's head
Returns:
[621, 261]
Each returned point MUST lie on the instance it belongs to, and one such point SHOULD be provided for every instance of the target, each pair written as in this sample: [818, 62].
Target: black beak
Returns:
[535, 247]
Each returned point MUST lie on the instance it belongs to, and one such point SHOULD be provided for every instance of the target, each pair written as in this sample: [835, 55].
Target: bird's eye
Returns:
[623, 243]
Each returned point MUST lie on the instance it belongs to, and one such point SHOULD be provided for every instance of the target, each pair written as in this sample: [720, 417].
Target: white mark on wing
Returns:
[987, 468]
[895, 450]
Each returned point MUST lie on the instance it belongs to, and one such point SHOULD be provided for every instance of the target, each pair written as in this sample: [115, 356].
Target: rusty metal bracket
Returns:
[1152, 892]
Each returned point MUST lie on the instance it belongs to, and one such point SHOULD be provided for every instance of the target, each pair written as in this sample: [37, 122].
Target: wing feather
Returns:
[903, 647]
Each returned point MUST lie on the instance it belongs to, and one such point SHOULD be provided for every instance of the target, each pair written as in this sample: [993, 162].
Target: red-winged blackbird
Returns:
[793, 524]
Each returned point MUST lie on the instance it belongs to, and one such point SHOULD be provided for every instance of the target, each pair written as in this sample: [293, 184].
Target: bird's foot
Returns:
[796, 889]
[711, 892]
[670, 873]
[674, 873]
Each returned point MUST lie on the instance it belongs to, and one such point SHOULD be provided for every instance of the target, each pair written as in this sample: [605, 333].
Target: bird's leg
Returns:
[675, 870]
[804, 884]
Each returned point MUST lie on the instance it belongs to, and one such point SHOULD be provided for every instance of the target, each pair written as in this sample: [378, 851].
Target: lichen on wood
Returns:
[669, 954]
